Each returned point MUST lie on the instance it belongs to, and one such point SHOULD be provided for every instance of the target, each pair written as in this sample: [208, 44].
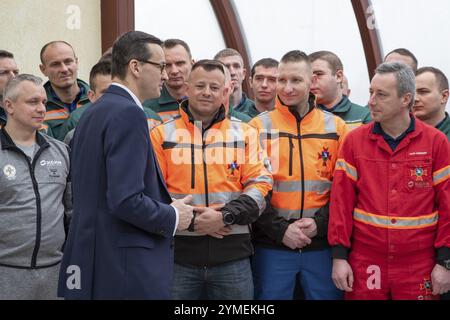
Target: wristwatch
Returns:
[228, 217]
[444, 263]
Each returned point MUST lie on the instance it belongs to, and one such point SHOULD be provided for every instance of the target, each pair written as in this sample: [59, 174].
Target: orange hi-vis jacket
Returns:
[217, 165]
[302, 153]
[395, 203]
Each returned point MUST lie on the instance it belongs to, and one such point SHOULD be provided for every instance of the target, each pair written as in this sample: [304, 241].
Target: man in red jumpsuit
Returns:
[389, 221]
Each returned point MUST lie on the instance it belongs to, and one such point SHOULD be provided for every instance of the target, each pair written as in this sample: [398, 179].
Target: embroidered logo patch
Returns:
[10, 172]
[325, 156]
[232, 167]
[426, 289]
[419, 173]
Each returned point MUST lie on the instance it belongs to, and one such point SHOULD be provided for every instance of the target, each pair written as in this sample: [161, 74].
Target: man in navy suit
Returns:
[120, 239]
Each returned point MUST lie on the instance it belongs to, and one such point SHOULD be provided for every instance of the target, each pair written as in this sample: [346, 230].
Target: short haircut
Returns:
[266, 63]
[209, 65]
[131, 45]
[6, 54]
[102, 67]
[227, 52]
[406, 79]
[441, 79]
[171, 43]
[107, 55]
[11, 93]
[295, 56]
[333, 60]
[406, 53]
[52, 43]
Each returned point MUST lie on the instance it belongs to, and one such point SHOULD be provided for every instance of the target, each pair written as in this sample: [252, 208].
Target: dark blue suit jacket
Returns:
[120, 237]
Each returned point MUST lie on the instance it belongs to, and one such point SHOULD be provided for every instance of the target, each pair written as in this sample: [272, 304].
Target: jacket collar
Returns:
[289, 111]
[410, 134]
[8, 143]
[342, 107]
[187, 117]
[165, 97]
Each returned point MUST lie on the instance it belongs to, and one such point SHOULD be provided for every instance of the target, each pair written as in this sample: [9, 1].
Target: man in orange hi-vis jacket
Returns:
[215, 158]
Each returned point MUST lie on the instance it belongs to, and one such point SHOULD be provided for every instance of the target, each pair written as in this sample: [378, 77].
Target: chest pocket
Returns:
[418, 175]
[50, 174]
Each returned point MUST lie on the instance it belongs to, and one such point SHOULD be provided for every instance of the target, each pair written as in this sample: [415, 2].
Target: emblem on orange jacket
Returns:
[325, 156]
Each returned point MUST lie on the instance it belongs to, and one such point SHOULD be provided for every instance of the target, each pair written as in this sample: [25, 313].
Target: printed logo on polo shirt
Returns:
[51, 163]
[10, 172]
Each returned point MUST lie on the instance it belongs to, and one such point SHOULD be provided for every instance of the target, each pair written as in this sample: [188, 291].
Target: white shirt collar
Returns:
[136, 100]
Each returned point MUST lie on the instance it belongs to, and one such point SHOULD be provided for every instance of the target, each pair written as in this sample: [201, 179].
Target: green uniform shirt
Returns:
[444, 126]
[152, 120]
[245, 106]
[239, 115]
[165, 106]
[354, 115]
[57, 113]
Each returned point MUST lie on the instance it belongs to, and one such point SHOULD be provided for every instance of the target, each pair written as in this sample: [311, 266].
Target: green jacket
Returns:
[152, 120]
[444, 126]
[165, 106]
[57, 113]
[239, 115]
[354, 115]
[245, 106]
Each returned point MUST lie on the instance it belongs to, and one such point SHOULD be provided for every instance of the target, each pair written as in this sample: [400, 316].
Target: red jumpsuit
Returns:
[392, 209]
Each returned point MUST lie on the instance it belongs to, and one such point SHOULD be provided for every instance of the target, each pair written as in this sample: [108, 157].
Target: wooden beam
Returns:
[369, 34]
[233, 34]
[117, 17]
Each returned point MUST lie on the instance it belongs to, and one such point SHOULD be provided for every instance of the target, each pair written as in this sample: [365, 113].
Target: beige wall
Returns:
[26, 25]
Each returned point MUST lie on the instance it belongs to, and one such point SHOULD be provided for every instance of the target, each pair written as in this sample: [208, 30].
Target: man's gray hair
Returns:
[11, 93]
[406, 79]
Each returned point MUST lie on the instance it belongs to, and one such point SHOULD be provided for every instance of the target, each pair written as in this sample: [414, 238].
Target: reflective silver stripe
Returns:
[59, 114]
[318, 186]
[266, 121]
[213, 197]
[259, 179]
[266, 127]
[344, 165]
[170, 130]
[440, 175]
[395, 222]
[235, 229]
[256, 195]
[295, 214]
[330, 122]
[235, 130]
[239, 145]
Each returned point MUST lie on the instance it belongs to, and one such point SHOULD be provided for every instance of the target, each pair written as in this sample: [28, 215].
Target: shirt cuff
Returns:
[177, 218]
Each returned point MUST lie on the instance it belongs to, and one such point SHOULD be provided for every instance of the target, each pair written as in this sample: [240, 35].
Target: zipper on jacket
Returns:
[205, 172]
[302, 167]
[31, 167]
[192, 166]
[291, 148]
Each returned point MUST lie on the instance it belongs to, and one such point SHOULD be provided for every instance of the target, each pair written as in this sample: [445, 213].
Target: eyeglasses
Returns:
[161, 66]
